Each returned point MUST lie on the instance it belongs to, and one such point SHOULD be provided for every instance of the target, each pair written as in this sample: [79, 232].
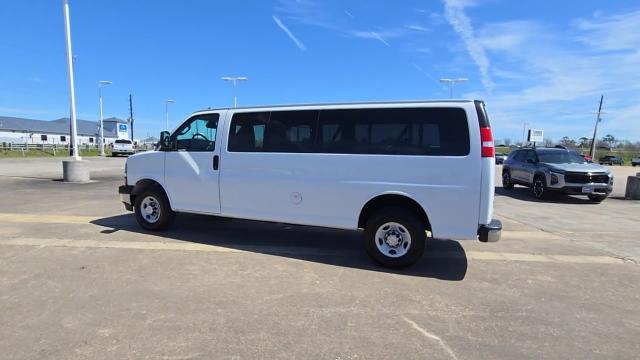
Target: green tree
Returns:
[585, 142]
[567, 142]
[610, 140]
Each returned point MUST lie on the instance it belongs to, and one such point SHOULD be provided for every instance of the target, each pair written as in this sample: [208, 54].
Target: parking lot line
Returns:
[187, 246]
[46, 218]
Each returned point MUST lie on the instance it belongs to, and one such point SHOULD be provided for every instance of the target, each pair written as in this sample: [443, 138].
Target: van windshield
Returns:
[560, 157]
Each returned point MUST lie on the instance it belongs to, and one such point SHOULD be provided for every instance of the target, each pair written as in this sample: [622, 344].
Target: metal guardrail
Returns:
[53, 148]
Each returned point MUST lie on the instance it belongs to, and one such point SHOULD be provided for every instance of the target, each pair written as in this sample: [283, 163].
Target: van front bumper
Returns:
[125, 196]
[490, 232]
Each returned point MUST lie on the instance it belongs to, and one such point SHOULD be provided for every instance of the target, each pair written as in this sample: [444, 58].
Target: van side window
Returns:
[410, 131]
[278, 131]
[291, 131]
[197, 134]
[247, 131]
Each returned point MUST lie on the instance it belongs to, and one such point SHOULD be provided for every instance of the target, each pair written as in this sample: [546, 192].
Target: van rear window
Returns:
[410, 131]
[123, 141]
[404, 131]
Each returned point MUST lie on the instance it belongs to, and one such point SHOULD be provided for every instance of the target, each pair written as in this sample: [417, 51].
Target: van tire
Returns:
[149, 201]
[399, 222]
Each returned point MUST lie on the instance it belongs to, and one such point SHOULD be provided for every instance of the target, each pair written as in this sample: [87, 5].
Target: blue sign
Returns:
[122, 127]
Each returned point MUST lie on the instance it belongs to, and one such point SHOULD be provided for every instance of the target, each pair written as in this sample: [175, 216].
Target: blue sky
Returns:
[541, 62]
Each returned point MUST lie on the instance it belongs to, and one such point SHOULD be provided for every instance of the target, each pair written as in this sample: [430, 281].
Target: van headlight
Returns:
[554, 179]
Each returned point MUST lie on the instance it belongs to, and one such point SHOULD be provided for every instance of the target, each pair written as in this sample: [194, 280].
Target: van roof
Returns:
[338, 104]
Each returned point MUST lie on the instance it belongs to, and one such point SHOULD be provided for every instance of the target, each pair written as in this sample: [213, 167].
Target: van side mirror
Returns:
[163, 144]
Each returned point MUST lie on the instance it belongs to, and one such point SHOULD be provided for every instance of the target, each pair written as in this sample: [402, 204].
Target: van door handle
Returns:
[216, 162]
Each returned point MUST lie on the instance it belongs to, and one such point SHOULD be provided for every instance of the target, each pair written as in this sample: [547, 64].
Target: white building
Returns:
[29, 131]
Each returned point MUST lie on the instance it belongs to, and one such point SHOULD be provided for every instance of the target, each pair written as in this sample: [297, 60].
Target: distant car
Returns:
[611, 160]
[122, 147]
[635, 161]
[547, 170]
[587, 158]
[500, 158]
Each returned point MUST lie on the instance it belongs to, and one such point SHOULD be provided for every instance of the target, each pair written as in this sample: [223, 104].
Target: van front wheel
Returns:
[395, 238]
[152, 210]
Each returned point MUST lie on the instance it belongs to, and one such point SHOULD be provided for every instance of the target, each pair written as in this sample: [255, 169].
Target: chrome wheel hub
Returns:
[150, 209]
[393, 239]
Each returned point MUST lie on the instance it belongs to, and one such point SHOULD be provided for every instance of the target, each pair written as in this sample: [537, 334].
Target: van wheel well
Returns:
[144, 185]
[391, 200]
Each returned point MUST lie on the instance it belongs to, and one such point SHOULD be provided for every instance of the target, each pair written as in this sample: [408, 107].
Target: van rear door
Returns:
[488, 178]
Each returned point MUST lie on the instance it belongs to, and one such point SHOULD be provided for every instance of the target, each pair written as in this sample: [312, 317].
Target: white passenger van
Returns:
[402, 171]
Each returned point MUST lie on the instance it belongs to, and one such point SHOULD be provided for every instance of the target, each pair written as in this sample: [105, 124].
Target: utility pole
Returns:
[595, 130]
[131, 115]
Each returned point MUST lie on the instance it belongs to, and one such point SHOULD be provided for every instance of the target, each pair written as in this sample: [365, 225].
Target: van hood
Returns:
[587, 168]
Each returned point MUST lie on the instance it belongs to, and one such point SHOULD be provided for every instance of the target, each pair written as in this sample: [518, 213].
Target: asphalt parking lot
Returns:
[80, 279]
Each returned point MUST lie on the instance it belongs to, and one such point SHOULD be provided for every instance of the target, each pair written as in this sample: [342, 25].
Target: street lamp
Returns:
[166, 110]
[234, 80]
[72, 96]
[452, 84]
[101, 84]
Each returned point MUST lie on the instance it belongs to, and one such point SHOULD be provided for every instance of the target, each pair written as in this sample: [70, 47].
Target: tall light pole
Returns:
[452, 84]
[72, 95]
[524, 129]
[234, 80]
[595, 130]
[166, 110]
[102, 83]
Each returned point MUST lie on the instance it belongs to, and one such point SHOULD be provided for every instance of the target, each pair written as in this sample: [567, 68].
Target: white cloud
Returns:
[548, 78]
[415, 27]
[315, 14]
[369, 35]
[616, 32]
[293, 38]
[456, 16]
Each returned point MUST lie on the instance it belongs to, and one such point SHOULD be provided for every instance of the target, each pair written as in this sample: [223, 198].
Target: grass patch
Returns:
[34, 153]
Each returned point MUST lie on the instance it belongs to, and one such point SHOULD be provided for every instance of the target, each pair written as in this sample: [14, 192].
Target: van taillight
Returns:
[486, 138]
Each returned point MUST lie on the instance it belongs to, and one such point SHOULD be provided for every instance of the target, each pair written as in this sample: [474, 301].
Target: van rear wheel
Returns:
[395, 237]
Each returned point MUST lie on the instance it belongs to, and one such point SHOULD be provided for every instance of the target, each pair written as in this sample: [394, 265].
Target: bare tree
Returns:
[548, 142]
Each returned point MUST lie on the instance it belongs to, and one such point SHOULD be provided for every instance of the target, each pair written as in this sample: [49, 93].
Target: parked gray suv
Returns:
[547, 170]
